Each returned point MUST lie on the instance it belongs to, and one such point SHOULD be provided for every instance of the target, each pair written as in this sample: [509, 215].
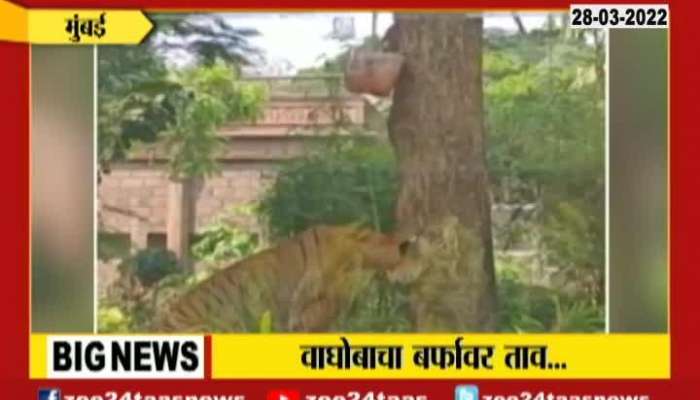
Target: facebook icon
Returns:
[49, 394]
[466, 392]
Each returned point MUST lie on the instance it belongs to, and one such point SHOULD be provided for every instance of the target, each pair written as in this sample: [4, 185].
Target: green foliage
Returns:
[545, 116]
[529, 308]
[266, 322]
[111, 319]
[135, 100]
[214, 97]
[347, 180]
[574, 237]
[224, 241]
[523, 308]
[579, 317]
[130, 306]
[142, 100]
[381, 307]
[183, 280]
[150, 265]
[544, 109]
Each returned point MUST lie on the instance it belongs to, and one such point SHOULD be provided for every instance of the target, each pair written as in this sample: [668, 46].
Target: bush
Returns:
[545, 113]
[224, 241]
[530, 308]
[130, 303]
[130, 306]
[111, 319]
[381, 307]
[346, 180]
[153, 264]
[523, 308]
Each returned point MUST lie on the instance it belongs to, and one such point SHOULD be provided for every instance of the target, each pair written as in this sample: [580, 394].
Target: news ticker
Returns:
[356, 356]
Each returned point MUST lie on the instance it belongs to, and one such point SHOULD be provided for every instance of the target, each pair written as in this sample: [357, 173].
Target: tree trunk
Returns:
[519, 24]
[374, 27]
[437, 129]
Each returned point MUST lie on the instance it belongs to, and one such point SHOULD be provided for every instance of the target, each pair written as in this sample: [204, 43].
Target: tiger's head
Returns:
[371, 251]
[348, 258]
[419, 251]
[394, 255]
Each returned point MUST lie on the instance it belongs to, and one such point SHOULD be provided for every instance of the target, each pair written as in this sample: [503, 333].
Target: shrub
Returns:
[111, 319]
[523, 308]
[153, 264]
[224, 241]
[346, 180]
[381, 307]
[530, 308]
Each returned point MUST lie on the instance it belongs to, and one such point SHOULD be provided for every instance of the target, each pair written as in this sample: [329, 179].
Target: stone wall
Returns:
[238, 184]
[133, 198]
[137, 200]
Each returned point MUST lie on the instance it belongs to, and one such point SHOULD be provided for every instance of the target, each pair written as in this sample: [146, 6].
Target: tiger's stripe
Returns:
[304, 282]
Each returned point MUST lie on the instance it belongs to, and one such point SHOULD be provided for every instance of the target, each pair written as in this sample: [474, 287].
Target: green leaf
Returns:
[266, 322]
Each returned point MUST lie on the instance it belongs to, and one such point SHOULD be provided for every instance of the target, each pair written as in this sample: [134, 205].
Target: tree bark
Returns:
[436, 127]
[519, 24]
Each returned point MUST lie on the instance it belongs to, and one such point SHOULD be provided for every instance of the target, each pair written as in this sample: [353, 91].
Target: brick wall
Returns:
[133, 197]
[139, 200]
[238, 184]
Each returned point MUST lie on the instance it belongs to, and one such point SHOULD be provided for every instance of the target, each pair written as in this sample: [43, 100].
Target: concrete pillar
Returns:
[179, 220]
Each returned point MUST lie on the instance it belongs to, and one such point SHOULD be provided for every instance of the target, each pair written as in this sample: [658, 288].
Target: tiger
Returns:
[450, 290]
[303, 283]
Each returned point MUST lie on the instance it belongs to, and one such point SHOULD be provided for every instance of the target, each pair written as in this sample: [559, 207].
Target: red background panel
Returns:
[685, 223]
[685, 174]
[14, 211]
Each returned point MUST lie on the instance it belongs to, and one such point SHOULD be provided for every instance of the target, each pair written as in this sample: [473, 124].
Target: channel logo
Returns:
[283, 395]
[49, 394]
[467, 392]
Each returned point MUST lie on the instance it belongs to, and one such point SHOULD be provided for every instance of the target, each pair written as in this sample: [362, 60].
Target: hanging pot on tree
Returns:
[372, 72]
